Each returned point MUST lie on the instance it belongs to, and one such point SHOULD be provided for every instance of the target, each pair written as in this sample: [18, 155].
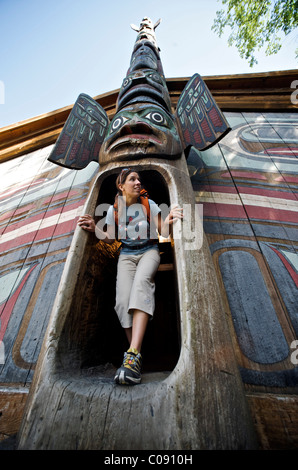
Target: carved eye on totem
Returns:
[118, 122]
[126, 82]
[156, 77]
[157, 118]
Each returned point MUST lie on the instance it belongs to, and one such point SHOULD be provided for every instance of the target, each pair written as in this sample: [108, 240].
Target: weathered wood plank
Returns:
[38, 237]
[227, 190]
[276, 420]
[12, 404]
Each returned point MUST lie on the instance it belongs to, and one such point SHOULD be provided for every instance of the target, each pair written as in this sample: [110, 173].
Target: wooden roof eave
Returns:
[270, 91]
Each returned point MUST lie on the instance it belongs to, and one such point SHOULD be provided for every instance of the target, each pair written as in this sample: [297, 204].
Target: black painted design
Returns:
[201, 122]
[82, 135]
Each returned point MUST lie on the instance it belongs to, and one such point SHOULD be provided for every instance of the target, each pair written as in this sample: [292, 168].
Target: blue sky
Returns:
[51, 51]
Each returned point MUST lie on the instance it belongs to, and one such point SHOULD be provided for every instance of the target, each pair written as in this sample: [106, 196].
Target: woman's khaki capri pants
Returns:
[135, 287]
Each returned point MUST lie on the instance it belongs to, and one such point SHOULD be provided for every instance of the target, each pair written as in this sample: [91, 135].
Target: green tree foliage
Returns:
[256, 23]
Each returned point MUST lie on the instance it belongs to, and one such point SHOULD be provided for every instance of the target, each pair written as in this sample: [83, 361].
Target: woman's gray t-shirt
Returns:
[134, 230]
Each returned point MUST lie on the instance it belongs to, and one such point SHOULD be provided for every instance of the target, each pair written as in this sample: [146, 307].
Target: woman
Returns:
[138, 262]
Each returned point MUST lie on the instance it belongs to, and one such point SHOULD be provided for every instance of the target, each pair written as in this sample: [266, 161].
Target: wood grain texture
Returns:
[12, 404]
[273, 418]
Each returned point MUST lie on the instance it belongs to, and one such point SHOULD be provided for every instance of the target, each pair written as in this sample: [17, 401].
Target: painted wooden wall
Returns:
[249, 193]
[39, 206]
[248, 187]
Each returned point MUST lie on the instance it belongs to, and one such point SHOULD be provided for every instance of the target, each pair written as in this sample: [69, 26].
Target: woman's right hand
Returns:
[87, 222]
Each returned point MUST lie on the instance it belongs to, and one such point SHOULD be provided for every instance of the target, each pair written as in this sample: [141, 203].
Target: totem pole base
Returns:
[200, 404]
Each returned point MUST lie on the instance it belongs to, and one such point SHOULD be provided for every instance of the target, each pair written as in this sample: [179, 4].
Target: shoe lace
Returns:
[132, 361]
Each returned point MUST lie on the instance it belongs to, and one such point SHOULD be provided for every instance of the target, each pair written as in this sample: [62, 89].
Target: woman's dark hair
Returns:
[121, 178]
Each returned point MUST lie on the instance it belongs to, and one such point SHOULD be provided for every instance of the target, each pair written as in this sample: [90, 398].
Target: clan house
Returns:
[220, 357]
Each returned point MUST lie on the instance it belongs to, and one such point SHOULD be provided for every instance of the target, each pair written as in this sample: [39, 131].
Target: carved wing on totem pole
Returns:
[201, 123]
[82, 135]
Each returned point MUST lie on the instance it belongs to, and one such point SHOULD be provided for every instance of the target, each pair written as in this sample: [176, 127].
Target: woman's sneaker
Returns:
[130, 371]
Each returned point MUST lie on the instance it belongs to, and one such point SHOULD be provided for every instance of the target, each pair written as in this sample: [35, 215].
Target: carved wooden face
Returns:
[144, 56]
[144, 86]
[141, 131]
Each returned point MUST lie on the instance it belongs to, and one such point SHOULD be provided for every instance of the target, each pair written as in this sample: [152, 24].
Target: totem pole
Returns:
[200, 404]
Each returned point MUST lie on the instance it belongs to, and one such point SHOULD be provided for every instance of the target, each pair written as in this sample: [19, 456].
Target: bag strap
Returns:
[144, 199]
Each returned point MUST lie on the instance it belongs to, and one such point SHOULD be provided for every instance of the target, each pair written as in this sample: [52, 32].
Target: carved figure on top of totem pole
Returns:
[144, 124]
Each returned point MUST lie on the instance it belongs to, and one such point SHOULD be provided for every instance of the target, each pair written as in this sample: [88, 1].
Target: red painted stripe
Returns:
[19, 188]
[44, 234]
[268, 213]
[7, 307]
[282, 151]
[271, 193]
[244, 174]
[20, 210]
[23, 209]
[267, 193]
[223, 210]
[218, 189]
[16, 242]
[288, 179]
[291, 271]
[56, 230]
[252, 212]
[65, 195]
[6, 216]
[40, 217]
